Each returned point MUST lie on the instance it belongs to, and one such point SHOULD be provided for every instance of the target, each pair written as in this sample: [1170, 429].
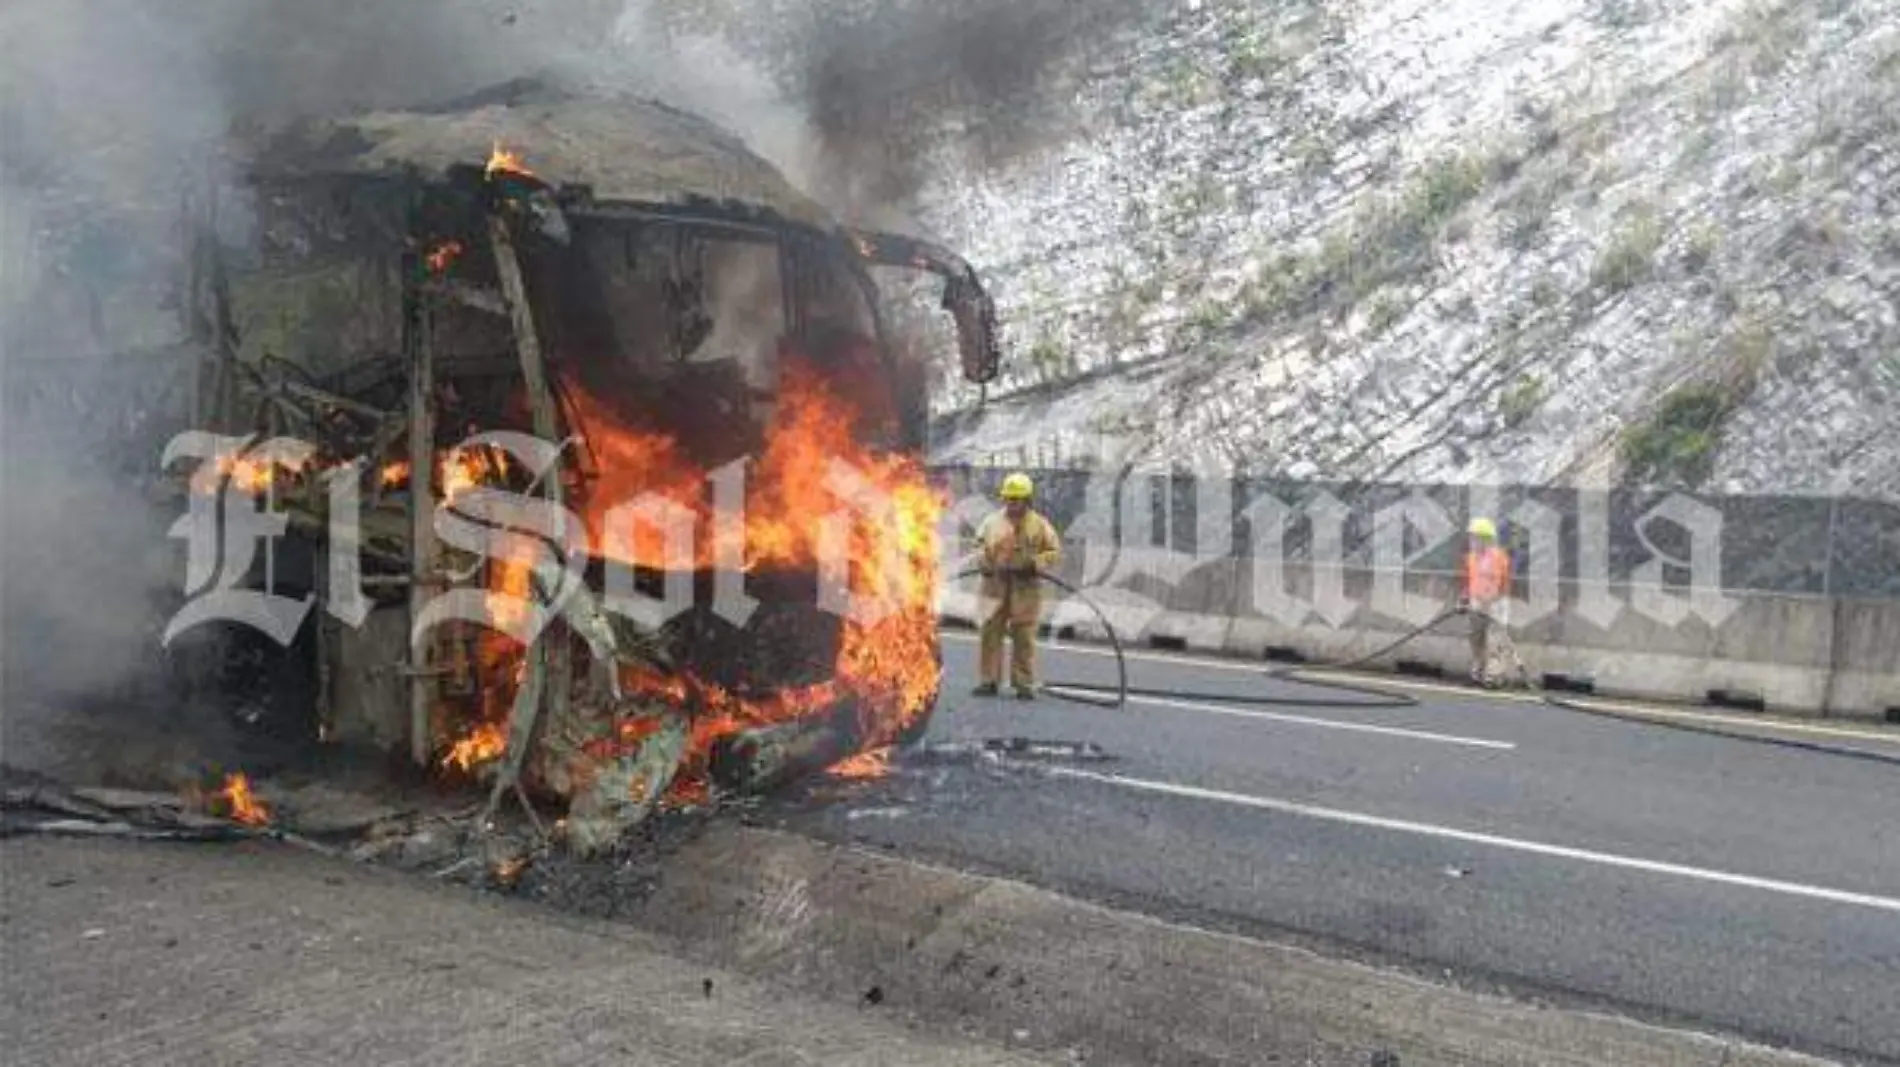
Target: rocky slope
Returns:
[1463, 240]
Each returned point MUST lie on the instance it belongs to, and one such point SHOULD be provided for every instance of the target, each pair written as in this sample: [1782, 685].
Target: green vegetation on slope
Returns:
[1677, 445]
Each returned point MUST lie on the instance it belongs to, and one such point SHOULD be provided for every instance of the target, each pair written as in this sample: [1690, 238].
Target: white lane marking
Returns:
[1260, 669]
[1886, 737]
[1306, 720]
[1152, 657]
[1606, 859]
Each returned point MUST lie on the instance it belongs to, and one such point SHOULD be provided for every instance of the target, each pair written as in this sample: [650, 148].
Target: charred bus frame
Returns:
[373, 217]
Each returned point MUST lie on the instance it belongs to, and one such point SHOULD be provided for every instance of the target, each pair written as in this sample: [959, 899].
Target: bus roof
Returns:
[623, 147]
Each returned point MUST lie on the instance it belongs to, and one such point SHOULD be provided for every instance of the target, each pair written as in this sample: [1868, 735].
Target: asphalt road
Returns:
[1723, 884]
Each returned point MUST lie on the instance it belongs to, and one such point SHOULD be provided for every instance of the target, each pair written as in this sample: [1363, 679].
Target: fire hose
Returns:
[1365, 696]
[1372, 696]
[1114, 642]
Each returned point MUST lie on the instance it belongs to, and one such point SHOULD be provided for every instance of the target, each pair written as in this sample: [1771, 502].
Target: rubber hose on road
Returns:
[1366, 696]
[1077, 692]
[1114, 639]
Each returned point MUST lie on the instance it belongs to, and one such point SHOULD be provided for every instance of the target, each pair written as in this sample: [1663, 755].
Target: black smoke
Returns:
[897, 89]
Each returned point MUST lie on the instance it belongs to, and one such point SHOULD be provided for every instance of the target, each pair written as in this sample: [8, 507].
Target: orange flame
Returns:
[501, 665]
[486, 744]
[250, 475]
[502, 161]
[887, 669]
[455, 474]
[469, 468]
[874, 763]
[508, 590]
[240, 803]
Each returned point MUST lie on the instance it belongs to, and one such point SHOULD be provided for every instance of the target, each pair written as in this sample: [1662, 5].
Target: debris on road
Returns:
[45, 808]
[1016, 748]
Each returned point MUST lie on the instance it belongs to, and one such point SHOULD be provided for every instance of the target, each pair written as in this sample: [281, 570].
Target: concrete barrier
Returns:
[1803, 654]
[1866, 664]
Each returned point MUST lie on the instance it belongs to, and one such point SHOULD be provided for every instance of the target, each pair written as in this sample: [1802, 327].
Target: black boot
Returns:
[987, 689]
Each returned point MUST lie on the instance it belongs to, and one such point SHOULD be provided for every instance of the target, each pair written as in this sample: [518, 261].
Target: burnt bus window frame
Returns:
[799, 245]
[810, 255]
[629, 224]
[794, 241]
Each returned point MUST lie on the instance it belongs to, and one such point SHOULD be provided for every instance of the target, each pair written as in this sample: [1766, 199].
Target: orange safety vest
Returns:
[1487, 573]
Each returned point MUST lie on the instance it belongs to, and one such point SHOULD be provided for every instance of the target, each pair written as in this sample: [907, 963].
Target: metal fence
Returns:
[1777, 544]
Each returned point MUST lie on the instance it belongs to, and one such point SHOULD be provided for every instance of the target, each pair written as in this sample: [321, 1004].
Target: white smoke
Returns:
[717, 77]
[104, 111]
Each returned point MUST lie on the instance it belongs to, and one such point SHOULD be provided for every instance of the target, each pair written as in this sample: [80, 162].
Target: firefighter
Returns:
[1484, 584]
[1015, 543]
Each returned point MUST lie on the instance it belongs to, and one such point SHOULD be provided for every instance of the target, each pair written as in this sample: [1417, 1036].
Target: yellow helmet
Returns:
[1018, 487]
[1484, 528]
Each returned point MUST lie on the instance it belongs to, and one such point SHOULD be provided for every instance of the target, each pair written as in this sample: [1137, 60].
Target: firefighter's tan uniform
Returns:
[1011, 595]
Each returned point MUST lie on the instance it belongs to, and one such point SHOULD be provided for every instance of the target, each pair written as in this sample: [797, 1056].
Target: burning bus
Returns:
[730, 424]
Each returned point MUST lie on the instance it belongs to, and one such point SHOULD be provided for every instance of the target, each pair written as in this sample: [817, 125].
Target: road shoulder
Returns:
[1059, 973]
[119, 953]
[756, 946]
